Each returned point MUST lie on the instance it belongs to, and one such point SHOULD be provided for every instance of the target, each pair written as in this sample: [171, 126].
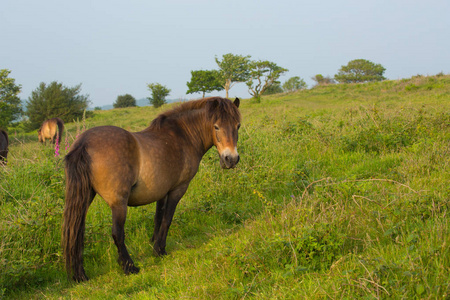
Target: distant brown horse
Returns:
[138, 168]
[51, 129]
[4, 142]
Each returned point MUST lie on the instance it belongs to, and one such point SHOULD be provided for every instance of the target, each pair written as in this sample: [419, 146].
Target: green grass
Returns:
[341, 192]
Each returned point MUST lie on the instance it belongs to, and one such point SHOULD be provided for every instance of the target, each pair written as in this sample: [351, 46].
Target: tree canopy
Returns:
[233, 69]
[204, 81]
[124, 101]
[360, 70]
[293, 84]
[262, 74]
[10, 104]
[55, 100]
[323, 80]
[159, 94]
[274, 88]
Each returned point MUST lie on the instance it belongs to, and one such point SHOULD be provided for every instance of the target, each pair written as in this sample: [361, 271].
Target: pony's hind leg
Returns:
[119, 214]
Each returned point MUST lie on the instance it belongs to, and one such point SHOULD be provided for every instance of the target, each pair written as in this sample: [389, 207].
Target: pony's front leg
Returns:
[166, 209]
[160, 207]
[119, 215]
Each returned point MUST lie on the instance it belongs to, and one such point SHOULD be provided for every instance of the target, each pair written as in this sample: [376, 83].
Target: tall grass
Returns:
[342, 192]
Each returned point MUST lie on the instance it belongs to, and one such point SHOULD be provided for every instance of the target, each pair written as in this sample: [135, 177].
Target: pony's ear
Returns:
[237, 102]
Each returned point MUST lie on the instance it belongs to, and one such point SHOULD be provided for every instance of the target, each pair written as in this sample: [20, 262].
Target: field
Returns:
[342, 191]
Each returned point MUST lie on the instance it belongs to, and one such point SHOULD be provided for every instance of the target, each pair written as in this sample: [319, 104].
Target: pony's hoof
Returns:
[134, 270]
[160, 252]
[130, 268]
[80, 277]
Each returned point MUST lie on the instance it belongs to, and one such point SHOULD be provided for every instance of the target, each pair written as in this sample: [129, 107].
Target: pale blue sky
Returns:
[118, 47]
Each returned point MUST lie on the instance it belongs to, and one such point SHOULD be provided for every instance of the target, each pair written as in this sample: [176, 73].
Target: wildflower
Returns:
[57, 147]
[66, 142]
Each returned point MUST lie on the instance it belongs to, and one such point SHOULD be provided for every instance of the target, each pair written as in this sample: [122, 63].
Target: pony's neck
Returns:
[197, 131]
[189, 123]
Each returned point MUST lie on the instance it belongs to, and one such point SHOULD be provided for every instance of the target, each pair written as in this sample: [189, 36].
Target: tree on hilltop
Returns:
[10, 104]
[204, 82]
[233, 69]
[159, 94]
[360, 70]
[323, 80]
[274, 88]
[262, 74]
[124, 101]
[293, 84]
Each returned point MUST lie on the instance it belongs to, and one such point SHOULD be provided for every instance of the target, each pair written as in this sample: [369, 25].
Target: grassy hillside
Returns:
[342, 192]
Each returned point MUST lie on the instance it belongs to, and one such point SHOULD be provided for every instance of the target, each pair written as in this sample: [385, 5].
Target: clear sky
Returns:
[118, 47]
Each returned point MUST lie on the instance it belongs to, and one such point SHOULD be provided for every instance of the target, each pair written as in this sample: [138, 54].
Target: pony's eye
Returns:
[216, 127]
[239, 126]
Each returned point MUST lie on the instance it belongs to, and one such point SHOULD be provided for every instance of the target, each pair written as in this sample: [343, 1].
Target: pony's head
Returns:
[40, 135]
[225, 124]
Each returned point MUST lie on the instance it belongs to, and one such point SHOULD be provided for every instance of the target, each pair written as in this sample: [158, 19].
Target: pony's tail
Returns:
[79, 194]
[60, 129]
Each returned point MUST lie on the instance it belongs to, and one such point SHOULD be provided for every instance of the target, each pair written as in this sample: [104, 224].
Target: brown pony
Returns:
[4, 142]
[51, 129]
[138, 168]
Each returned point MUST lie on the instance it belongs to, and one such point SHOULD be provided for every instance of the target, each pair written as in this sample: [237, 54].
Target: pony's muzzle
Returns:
[229, 159]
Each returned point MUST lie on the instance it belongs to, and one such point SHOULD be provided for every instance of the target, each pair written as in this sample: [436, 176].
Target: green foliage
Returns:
[204, 82]
[10, 105]
[304, 249]
[341, 192]
[34, 196]
[274, 88]
[360, 70]
[233, 69]
[323, 80]
[124, 101]
[159, 94]
[262, 75]
[294, 84]
[426, 84]
[55, 100]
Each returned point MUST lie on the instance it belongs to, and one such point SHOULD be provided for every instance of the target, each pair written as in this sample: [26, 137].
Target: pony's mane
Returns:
[214, 107]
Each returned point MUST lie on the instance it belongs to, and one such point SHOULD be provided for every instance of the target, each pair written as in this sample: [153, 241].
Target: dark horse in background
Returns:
[51, 129]
[138, 168]
[4, 142]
